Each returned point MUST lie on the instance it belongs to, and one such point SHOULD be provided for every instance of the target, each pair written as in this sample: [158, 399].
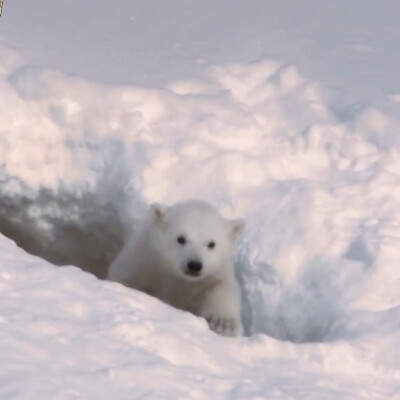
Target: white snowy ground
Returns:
[286, 114]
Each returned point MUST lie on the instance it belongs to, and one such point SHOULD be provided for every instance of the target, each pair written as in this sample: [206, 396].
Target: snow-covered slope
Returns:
[66, 335]
[349, 47]
[282, 114]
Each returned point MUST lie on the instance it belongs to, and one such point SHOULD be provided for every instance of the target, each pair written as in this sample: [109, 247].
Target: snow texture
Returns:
[286, 115]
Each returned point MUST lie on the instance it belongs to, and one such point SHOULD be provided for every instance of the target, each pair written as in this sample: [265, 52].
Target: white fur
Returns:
[153, 261]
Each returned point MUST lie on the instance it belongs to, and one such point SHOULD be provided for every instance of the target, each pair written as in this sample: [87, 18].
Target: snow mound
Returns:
[316, 184]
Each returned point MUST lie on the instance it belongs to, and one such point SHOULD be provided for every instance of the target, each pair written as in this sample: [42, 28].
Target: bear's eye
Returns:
[211, 245]
[181, 240]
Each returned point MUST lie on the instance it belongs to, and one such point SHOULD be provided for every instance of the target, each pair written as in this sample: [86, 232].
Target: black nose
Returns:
[194, 267]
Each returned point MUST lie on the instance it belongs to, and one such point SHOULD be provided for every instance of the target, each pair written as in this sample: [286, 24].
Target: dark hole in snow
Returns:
[64, 229]
[81, 223]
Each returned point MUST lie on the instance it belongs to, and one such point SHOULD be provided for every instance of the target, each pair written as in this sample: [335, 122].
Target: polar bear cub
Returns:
[182, 254]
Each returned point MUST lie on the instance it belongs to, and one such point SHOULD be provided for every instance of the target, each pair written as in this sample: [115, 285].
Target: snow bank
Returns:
[316, 185]
[66, 335]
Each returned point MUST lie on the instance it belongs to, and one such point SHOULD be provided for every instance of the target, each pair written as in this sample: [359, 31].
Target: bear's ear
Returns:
[236, 228]
[157, 213]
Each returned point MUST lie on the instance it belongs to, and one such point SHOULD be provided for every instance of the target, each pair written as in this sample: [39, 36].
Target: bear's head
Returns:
[192, 238]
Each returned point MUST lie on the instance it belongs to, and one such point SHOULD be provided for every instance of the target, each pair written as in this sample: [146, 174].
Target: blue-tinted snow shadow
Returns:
[316, 306]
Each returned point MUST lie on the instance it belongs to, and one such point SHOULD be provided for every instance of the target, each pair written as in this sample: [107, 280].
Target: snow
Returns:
[67, 335]
[285, 114]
